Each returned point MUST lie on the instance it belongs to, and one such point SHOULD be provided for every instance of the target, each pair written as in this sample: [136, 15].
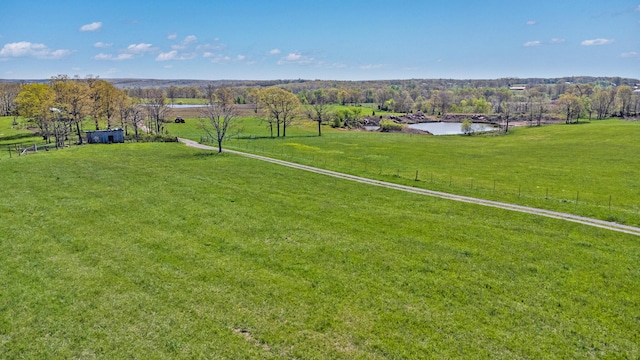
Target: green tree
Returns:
[624, 95]
[73, 100]
[280, 107]
[467, 126]
[35, 102]
[571, 106]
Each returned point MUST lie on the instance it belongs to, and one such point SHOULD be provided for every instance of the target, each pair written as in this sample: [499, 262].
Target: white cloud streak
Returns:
[274, 52]
[100, 44]
[595, 42]
[371, 66]
[532, 43]
[531, 22]
[94, 26]
[295, 58]
[139, 48]
[119, 57]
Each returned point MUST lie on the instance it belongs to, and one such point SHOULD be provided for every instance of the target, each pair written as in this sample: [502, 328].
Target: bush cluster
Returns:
[388, 125]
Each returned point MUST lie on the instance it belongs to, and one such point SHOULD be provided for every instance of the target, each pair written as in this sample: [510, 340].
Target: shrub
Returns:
[467, 126]
[388, 125]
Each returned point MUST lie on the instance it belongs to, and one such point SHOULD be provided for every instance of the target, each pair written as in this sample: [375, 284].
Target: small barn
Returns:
[105, 136]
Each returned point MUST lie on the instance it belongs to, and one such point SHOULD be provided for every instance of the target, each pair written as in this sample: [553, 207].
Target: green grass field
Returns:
[588, 169]
[161, 251]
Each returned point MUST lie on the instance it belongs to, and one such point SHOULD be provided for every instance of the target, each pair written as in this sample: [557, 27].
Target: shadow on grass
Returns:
[259, 137]
[18, 136]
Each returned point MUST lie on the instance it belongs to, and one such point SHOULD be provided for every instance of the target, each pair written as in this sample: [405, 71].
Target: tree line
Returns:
[66, 105]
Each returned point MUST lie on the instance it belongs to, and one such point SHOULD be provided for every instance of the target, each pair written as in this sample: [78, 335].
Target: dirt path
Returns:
[496, 204]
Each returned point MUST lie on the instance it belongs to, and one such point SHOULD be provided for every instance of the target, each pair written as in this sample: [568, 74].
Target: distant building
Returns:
[105, 136]
[518, 88]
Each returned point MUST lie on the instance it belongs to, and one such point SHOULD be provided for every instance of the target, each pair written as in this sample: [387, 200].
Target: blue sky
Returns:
[329, 39]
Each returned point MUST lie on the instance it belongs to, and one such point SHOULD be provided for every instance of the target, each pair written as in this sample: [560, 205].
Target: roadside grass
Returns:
[587, 169]
[161, 251]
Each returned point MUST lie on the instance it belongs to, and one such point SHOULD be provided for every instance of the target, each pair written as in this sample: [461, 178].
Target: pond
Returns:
[448, 128]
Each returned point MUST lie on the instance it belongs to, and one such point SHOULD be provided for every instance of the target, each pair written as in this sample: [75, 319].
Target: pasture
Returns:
[587, 169]
[158, 250]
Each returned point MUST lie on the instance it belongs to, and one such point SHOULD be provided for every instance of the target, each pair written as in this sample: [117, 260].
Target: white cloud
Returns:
[189, 39]
[174, 55]
[28, 49]
[295, 58]
[593, 42]
[216, 58]
[119, 57]
[371, 66]
[100, 44]
[167, 56]
[531, 22]
[240, 57]
[139, 48]
[94, 26]
[532, 43]
[274, 52]
[557, 40]
[630, 54]
[172, 36]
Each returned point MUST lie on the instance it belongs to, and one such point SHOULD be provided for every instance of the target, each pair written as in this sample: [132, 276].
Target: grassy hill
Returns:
[588, 169]
[161, 251]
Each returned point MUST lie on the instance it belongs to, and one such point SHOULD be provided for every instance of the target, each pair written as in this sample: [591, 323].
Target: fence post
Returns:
[416, 175]
[609, 202]
[9, 147]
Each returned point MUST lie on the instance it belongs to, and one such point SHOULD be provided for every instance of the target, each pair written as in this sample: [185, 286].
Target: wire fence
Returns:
[586, 202]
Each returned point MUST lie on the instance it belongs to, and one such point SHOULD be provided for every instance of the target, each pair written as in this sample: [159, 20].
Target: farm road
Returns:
[496, 204]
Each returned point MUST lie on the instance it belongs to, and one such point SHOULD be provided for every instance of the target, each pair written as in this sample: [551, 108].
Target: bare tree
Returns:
[219, 117]
[156, 107]
[134, 115]
[318, 110]
[172, 93]
[8, 93]
[602, 101]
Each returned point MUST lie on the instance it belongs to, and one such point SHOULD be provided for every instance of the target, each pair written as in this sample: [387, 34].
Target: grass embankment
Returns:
[588, 169]
[161, 251]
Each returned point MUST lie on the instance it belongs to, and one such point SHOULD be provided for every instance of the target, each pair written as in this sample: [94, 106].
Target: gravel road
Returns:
[496, 204]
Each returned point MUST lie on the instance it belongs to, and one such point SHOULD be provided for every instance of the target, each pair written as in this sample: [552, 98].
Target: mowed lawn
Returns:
[161, 251]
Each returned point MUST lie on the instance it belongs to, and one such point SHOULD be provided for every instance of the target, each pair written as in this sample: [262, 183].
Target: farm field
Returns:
[585, 168]
[115, 251]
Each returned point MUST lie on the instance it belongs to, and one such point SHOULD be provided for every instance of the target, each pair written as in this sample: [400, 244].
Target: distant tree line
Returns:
[62, 105]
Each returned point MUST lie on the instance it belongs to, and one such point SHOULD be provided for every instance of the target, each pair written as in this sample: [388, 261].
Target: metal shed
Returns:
[105, 136]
